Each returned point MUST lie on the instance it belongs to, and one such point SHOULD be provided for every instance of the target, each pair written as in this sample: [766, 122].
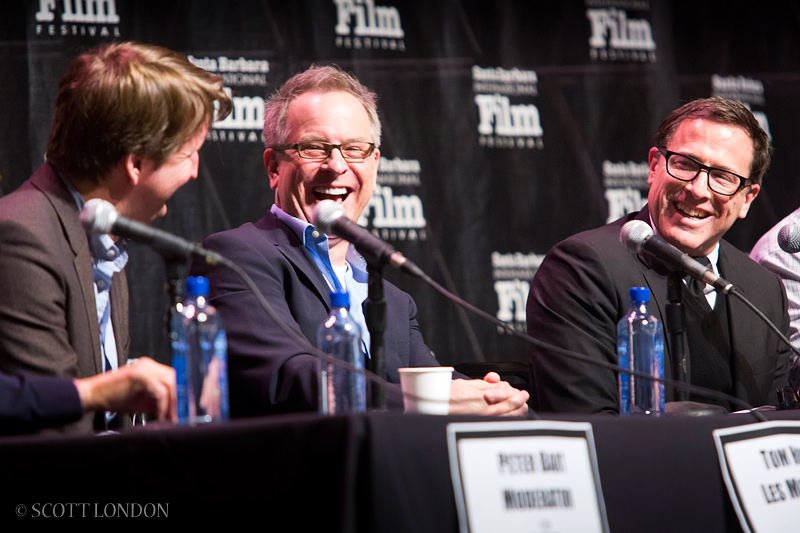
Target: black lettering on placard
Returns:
[553, 462]
[775, 458]
[773, 493]
[795, 451]
[516, 463]
[538, 498]
[793, 485]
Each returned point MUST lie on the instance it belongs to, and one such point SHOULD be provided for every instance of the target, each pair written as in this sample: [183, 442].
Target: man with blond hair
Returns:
[128, 123]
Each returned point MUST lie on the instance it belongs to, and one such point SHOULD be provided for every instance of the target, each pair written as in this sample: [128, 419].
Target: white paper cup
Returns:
[426, 389]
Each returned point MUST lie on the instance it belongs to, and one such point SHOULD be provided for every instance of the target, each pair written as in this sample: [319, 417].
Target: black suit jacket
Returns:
[268, 371]
[48, 316]
[580, 293]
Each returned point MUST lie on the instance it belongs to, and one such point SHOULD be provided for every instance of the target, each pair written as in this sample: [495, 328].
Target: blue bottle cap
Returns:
[196, 286]
[340, 299]
[640, 294]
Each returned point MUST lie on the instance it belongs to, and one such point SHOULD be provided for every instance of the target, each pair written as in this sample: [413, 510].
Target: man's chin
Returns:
[689, 244]
[160, 213]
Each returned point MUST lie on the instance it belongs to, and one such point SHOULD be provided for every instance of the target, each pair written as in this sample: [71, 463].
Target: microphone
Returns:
[789, 238]
[99, 217]
[638, 237]
[331, 219]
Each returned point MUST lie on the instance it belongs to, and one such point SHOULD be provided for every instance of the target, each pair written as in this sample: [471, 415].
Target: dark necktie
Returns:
[695, 285]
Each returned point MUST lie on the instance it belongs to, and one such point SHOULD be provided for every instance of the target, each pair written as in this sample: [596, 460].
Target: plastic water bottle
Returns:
[341, 390]
[640, 347]
[199, 357]
[177, 334]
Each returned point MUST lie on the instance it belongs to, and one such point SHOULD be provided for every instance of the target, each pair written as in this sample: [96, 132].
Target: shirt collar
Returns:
[309, 235]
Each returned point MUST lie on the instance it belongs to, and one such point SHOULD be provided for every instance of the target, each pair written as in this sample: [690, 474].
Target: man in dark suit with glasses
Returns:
[706, 168]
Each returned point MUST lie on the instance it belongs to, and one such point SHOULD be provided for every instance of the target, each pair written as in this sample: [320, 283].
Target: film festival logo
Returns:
[512, 273]
[501, 123]
[246, 121]
[360, 24]
[616, 36]
[748, 91]
[626, 187]
[84, 18]
[392, 216]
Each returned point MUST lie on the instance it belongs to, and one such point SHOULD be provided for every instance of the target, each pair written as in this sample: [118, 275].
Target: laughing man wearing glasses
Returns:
[705, 171]
[322, 137]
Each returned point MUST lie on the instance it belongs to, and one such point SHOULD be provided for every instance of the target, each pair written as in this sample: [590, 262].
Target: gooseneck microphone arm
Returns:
[99, 216]
[709, 393]
[638, 237]
[330, 218]
[536, 342]
[308, 347]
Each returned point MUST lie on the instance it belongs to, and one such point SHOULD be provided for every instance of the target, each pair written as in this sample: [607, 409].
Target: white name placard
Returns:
[761, 467]
[526, 476]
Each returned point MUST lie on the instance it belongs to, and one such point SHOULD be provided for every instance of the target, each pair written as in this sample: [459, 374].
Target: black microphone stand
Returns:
[375, 317]
[676, 330]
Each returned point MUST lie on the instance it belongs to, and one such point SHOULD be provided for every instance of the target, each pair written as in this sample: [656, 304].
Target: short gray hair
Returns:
[323, 79]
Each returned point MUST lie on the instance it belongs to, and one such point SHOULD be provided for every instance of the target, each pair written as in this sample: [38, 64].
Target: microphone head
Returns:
[98, 216]
[789, 238]
[634, 233]
[325, 214]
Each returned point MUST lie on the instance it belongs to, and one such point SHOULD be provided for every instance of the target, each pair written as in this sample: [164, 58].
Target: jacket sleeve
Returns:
[573, 307]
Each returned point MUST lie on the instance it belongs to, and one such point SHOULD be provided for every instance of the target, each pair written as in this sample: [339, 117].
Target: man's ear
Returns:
[652, 160]
[271, 164]
[750, 195]
[133, 167]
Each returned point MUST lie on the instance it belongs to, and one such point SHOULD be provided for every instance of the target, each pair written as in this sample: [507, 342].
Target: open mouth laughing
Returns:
[688, 211]
[337, 194]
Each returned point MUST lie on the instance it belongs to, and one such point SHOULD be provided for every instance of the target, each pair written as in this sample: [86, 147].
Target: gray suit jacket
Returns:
[580, 293]
[48, 317]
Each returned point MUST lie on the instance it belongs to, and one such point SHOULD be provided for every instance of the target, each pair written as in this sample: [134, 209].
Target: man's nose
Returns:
[699, 185]
[336, 160]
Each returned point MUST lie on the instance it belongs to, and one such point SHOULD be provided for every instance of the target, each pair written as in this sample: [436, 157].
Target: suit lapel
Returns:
[46, 180]
[291, 247]
[119, 316]
[737, 321]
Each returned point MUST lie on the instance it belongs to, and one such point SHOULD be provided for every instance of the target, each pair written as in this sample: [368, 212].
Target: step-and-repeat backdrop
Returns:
[509, 125]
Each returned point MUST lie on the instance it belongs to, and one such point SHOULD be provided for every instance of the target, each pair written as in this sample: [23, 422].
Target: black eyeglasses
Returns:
[320, 150]
[684, 168]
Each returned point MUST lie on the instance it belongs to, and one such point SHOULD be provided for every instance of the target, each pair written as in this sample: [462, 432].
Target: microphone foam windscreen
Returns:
[789, 238]
[634, 233]
[98, 216]
[325, 213]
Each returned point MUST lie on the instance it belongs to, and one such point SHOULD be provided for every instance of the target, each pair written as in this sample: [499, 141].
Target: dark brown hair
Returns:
[723, 111]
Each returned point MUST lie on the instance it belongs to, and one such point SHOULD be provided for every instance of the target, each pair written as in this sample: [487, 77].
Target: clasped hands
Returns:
[488, 396]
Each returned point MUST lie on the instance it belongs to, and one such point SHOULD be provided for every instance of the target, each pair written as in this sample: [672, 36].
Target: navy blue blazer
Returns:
[268, 371]
[29, 403]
